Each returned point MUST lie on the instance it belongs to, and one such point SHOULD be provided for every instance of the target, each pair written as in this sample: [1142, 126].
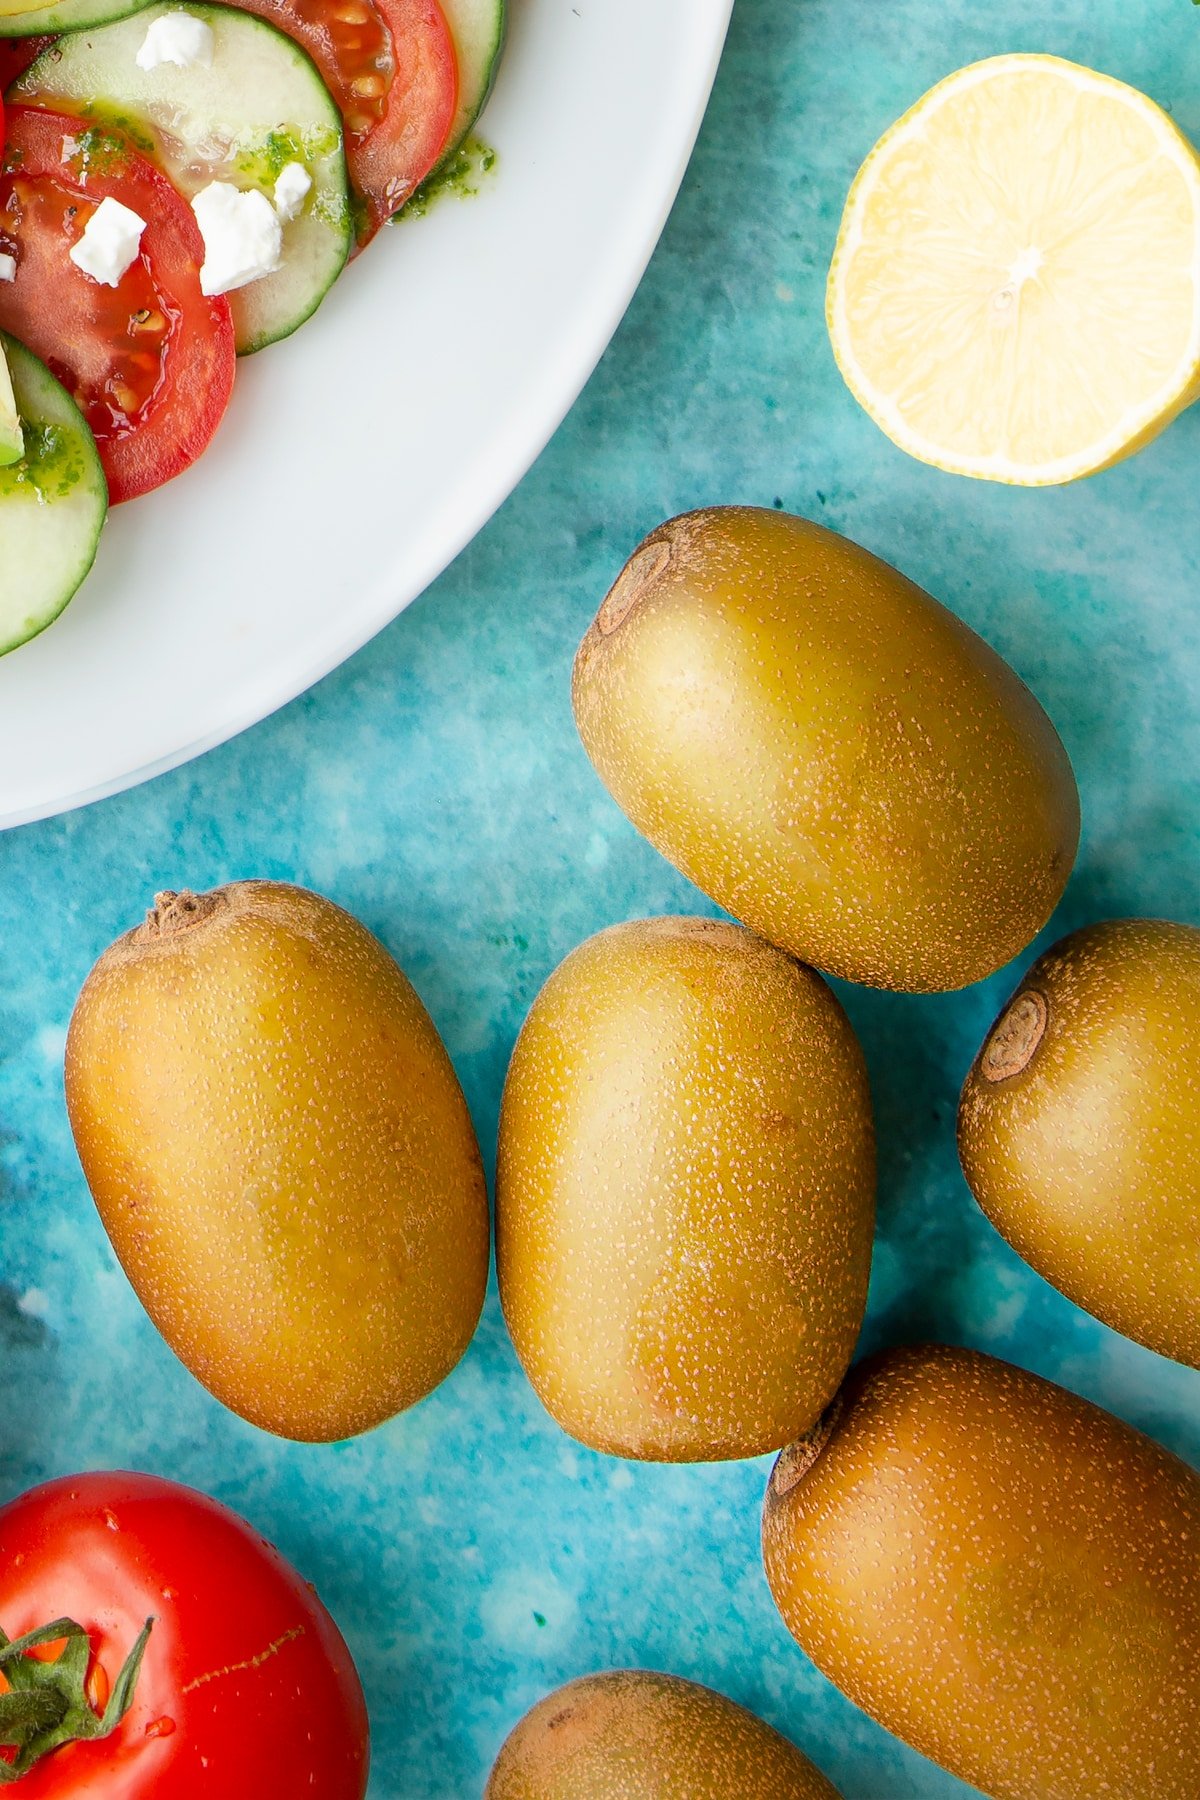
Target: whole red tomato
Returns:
[245, 1689]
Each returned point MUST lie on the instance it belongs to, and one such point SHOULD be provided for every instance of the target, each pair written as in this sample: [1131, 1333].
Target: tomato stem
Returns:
[46, 1704]
[21, 1715]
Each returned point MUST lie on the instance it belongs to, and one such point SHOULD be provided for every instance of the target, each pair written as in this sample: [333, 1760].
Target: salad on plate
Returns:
[181, 184]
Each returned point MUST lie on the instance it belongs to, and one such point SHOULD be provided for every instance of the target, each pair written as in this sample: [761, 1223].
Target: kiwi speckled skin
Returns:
[282, 1156]
[1001, 1574]
[685, 1193]
[1079, 1128]
[633, 1735]
[827, 752]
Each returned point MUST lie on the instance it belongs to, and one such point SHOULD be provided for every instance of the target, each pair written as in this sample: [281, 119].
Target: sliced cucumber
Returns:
[67, 15]
[12, 436]
[259, 106]
[52, 503]
[478, 28]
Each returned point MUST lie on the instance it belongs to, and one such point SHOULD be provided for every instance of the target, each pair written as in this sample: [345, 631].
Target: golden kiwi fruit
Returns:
[634, 1735]
[685, 1193]
[1001, 1574]
[281, 1155]
[826, 751]
[1079, 1127]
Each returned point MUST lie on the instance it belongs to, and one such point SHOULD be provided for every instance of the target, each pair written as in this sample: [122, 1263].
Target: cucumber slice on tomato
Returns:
[260, 105]
[150, 362]
[12, 435]
[52, 502]
[478, 28]
[391, 67]
[64, 15]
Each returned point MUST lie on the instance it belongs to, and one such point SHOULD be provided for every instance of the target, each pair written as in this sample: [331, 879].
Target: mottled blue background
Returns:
[473, 1555]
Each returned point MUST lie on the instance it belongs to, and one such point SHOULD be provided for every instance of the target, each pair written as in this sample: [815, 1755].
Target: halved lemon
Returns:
[1015, 293]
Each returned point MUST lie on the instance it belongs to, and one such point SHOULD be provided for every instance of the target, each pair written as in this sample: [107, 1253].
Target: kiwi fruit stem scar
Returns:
[794, 1463]
[173, 913]
[644, 567]
[1015, 1037]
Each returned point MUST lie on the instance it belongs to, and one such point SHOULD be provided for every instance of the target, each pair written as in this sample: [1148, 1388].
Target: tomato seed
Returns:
[97, 1687]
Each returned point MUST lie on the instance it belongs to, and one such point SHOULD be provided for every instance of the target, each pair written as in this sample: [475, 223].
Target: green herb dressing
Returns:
[52, 465]
[460, 175]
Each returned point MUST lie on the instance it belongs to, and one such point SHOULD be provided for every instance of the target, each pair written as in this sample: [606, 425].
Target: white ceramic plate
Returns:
[414, 401]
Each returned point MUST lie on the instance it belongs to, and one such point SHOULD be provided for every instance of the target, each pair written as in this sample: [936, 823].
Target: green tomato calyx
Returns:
[46, 1703]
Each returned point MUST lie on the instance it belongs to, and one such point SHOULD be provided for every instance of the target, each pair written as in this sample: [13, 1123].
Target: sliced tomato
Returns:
[392, 69]
[149, 362]
[16, 54]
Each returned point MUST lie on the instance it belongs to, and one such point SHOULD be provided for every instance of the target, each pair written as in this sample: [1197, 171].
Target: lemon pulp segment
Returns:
[1016, 288]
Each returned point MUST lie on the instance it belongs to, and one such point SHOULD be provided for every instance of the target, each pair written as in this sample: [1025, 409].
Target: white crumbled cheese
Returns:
[243, 238]
[179, 38]
[291, 189]
[8, 266]
[109, 244]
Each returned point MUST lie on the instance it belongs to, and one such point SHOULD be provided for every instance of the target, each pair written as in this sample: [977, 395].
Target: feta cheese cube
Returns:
[8, 266]
[179, 38]
[291, 188]
[243, 238]
[109, 243]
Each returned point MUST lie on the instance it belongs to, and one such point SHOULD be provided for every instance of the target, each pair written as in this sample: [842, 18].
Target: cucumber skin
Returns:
[26, 368]
[12, 448]
[465, 126]
[68, 15]
[494, 65]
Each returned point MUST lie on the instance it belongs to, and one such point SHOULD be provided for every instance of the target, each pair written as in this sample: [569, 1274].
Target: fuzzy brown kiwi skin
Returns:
[1001, 1574]
[1079, 1127]
[827, 752]
[632, 1734]
[282, 1156]
[685, 1193]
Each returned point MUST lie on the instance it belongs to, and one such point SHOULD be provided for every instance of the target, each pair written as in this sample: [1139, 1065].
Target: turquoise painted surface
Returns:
[474, 1556]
